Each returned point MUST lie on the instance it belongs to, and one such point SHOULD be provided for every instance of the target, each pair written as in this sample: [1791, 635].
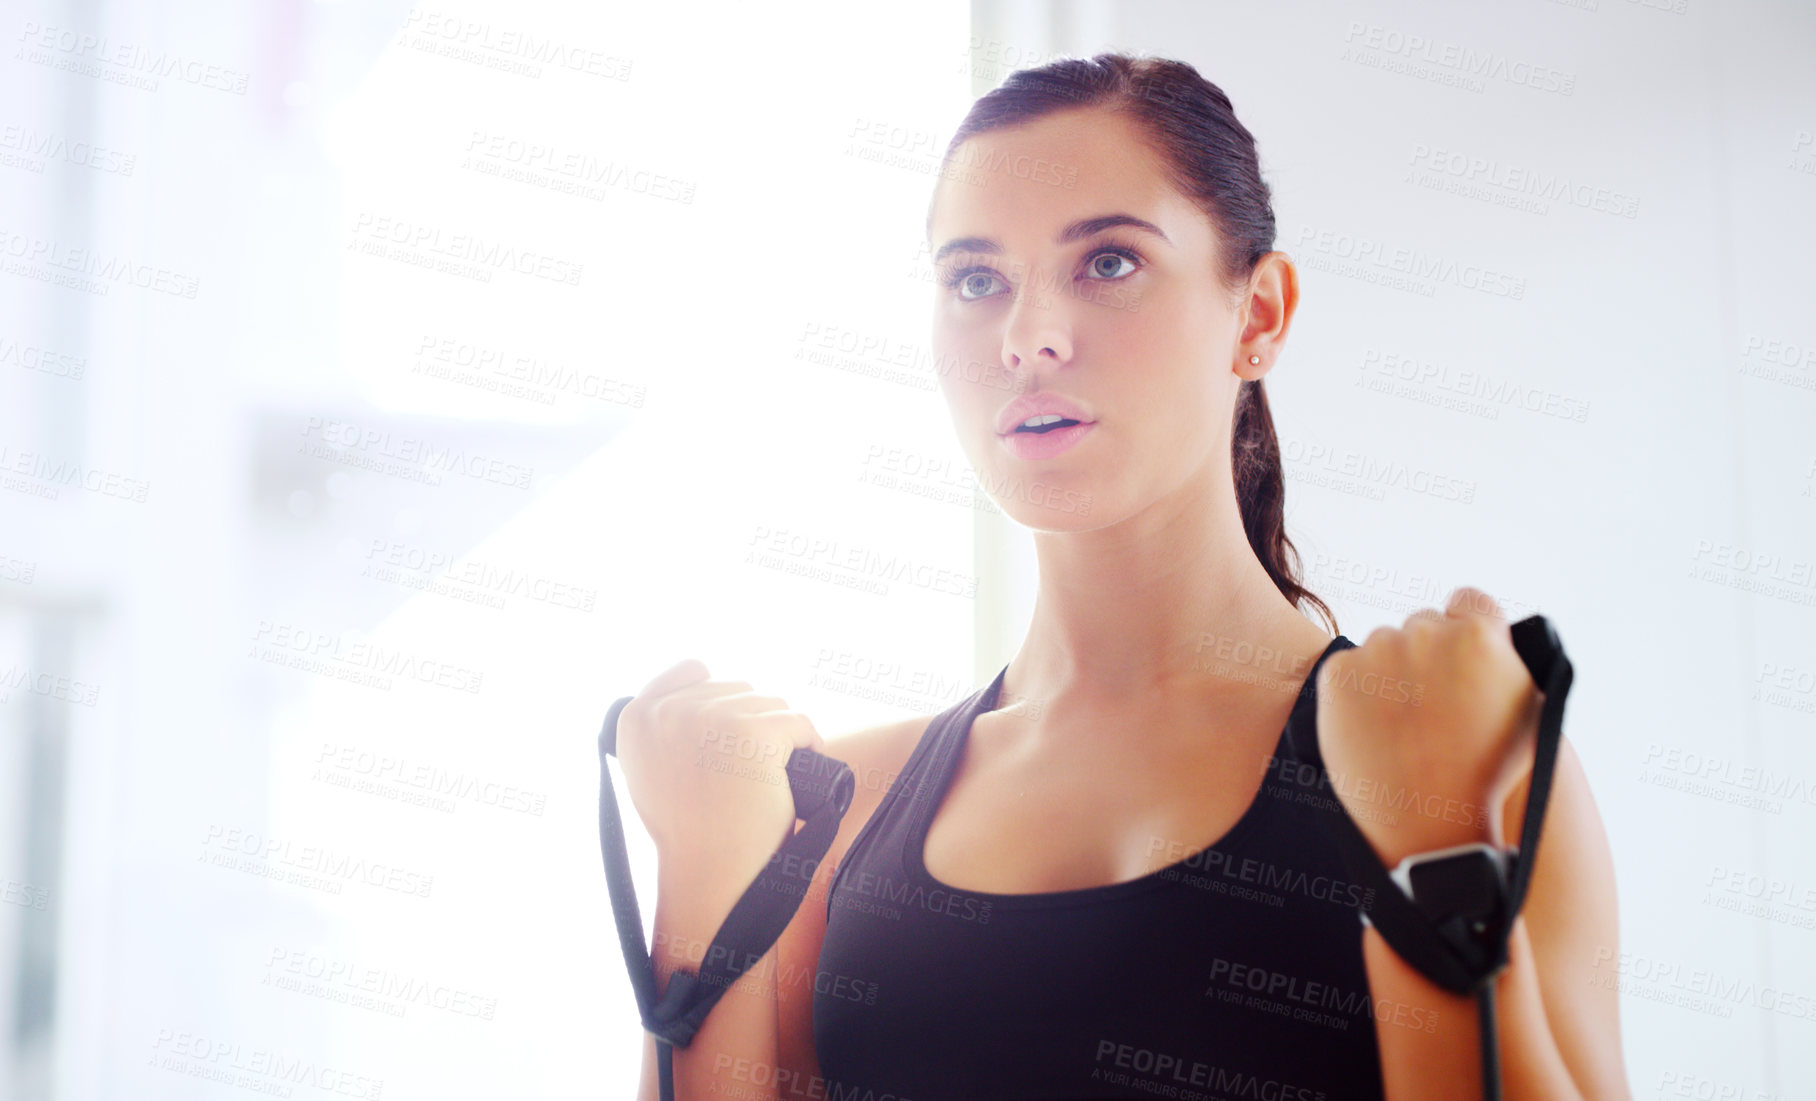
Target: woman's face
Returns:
[1035, 295]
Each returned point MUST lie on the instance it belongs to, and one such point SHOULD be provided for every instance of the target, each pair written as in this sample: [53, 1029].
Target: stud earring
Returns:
[1255, 360]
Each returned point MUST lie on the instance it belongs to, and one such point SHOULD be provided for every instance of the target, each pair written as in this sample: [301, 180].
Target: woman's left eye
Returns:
[1097, 265]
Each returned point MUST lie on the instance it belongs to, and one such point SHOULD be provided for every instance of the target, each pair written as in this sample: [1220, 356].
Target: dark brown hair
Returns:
[1189, 122]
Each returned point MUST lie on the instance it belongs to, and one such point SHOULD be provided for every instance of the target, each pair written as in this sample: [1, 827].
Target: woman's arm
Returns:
[1558, 1021]
[1446, 710]
[740, 1031]
[716, 829]
[757, 1043]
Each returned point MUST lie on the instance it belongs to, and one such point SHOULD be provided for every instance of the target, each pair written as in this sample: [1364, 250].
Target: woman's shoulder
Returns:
[877, 753]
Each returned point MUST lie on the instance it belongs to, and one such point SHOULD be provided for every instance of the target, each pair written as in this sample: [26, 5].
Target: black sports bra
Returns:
[1235, 972]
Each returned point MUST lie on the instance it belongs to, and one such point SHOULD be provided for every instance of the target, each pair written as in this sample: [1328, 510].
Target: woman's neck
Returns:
[1171, 600]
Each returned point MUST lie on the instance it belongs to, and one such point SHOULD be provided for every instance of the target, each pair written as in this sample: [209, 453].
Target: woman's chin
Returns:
[1041, 507]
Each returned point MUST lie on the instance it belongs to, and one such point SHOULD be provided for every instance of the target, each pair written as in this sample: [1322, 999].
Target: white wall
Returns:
[697, 198]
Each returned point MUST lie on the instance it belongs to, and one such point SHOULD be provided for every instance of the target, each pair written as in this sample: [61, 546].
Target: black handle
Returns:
[814, 778]
[822, 787]
[1538, 646]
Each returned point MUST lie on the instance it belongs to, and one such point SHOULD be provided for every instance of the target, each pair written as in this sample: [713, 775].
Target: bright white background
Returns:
[737, 193]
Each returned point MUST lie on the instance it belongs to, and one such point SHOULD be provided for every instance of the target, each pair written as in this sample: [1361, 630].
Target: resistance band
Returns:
[822, 787]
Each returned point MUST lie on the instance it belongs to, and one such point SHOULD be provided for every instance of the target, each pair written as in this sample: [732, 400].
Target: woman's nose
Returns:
[1038, 332]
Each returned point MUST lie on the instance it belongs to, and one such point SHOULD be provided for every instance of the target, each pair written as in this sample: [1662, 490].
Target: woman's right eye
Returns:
[976, 280]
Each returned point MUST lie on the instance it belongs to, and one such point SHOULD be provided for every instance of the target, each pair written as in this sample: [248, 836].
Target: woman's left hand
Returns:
[1426, 729]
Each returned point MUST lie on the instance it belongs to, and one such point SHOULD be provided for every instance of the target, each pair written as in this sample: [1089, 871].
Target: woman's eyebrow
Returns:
[1084, 227]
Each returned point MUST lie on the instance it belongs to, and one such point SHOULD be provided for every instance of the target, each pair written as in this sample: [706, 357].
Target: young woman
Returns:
[1106, 873]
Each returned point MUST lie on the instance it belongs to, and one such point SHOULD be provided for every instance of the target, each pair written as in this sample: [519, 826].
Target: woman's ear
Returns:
[1272, 296]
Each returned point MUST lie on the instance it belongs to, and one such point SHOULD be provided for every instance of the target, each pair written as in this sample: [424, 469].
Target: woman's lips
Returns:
[1045, 445]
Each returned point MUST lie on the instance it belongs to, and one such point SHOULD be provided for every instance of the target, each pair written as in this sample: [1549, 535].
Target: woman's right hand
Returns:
[705, 763]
